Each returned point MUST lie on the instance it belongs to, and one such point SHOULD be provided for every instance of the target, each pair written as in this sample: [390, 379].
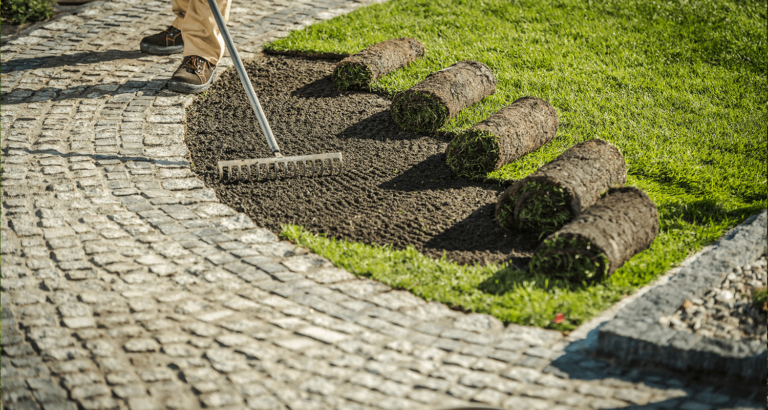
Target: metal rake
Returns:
[246, 169]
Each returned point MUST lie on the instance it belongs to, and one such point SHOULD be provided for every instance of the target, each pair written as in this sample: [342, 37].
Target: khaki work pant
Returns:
[198, 28]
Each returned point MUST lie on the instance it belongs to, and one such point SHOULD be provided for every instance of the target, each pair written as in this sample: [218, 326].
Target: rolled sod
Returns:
[601, 239]
[549, 198]
[428, 105]
[359, 70]
[515, 130]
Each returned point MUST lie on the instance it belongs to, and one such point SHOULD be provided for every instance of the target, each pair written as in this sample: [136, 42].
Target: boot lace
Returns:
[194, 64]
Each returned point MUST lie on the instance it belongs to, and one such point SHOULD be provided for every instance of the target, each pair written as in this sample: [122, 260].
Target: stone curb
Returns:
[635, 337]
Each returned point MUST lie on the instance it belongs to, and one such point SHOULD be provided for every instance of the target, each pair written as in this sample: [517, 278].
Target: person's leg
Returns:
[201, 35]
[179, 8]
[203, 47]
[170, 40]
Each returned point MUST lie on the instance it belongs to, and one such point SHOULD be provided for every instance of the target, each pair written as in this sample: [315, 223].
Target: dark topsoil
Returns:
[396, 188]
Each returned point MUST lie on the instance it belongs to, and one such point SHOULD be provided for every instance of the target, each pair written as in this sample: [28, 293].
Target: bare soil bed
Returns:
[396, 188]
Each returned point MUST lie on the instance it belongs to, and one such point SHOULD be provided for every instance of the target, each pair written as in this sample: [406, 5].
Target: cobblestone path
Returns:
[126, 285]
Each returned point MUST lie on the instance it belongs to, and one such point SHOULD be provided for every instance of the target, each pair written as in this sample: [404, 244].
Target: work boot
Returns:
[168, 41]
[194, 75]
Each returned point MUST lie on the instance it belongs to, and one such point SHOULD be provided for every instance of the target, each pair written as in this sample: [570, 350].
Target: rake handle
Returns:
[244, 79]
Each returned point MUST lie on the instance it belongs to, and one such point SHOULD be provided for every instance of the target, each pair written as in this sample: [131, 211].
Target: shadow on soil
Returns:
[320, 88]
[380, 127]
[466, 236]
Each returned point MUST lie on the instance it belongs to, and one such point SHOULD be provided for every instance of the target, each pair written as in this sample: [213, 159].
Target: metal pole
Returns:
[244, 79]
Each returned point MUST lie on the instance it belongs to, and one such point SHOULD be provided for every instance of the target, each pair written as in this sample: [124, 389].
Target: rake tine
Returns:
[288, 166]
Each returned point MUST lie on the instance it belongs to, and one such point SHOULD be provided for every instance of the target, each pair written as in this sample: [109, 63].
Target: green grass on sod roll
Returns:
[424, 110]
[584, 263]
[473, 154]
[679, 87]
[545, 212]
[352, 76]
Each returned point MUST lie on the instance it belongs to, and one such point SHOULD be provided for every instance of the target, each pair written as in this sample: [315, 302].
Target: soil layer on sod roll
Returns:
[549, 198]
[517, 129]
[601, 239]
[358, 71]
[395, 189]
[428, 105]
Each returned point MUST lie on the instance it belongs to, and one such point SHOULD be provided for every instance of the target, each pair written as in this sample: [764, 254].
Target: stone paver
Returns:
[126, 285]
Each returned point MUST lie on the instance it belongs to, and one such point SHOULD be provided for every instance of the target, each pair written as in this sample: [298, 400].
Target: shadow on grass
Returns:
[706, 212]
[516, 273]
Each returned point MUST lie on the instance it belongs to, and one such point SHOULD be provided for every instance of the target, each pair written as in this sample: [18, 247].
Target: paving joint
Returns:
[127, 285]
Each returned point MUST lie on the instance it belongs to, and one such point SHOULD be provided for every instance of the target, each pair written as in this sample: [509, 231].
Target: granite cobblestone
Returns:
[127, 285]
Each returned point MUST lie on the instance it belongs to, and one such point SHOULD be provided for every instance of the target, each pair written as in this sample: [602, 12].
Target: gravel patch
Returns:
[726, 311]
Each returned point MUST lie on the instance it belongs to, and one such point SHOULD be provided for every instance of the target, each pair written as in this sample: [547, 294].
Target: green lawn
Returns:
[680, 87]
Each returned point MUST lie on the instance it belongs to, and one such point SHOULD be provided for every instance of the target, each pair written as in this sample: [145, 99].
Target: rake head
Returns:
[287, 167]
